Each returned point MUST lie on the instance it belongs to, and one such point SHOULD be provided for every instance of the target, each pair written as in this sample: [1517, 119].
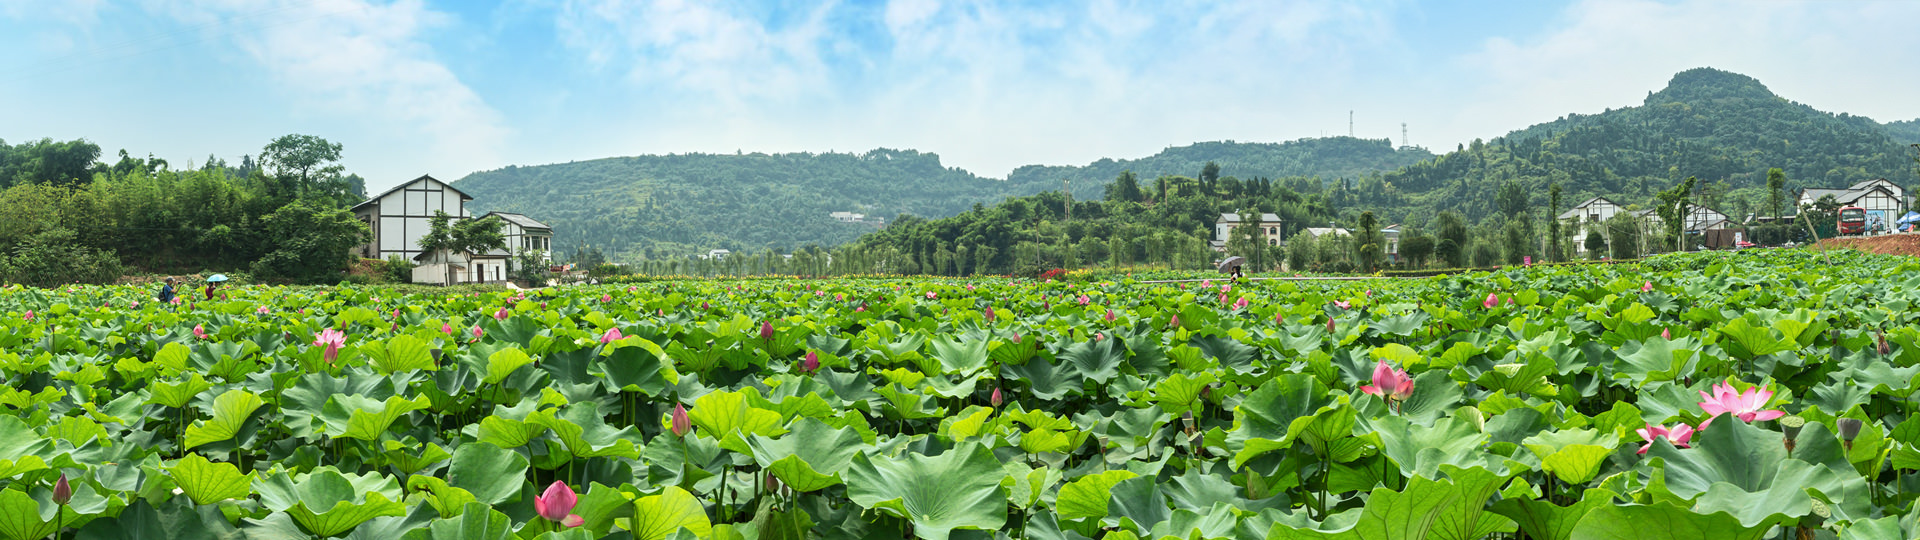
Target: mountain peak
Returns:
[1705, 84]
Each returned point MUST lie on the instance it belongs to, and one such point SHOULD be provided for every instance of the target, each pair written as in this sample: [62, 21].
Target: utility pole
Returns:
[1349, 122]
[1403, 136]
[1066, 186]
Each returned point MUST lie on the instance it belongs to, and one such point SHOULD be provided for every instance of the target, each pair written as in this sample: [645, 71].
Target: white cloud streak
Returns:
[366, 62]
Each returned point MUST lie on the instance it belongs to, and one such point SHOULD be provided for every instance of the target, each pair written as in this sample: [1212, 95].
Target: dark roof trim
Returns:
[463, 195]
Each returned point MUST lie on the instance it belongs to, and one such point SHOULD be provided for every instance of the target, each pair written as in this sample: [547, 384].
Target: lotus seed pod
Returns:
[1821, 509]
[1791, 425]
[1186, 419]
[1849, 428]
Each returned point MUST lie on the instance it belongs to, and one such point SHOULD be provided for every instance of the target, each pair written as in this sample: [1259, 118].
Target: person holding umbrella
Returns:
[214, 283]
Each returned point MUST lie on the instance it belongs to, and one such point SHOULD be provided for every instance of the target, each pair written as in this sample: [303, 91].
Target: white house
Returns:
[1317, 232]
[1882, 200]
[1391, 234]
[848, 217]
[1271, 229]
[399, 217]
[524, 235]
[1588, 216]
[718, 254]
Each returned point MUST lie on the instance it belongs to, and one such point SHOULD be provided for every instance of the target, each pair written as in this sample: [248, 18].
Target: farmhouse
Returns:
[1884, 201]
[401, 216]
[1269, 224]
[1588, 216]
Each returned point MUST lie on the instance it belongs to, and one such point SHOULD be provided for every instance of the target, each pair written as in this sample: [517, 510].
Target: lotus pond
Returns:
[1752, 395]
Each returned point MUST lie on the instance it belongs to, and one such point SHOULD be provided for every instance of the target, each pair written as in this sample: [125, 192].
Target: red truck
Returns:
[1853, 220]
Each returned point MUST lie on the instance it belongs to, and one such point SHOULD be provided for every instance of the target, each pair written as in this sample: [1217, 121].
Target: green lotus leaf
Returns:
[475, 521]
[727, 416]
[905, 404]
[1263, 418]
[140, 521]
[968, 424]
[207, 482]
[1421, 450]
[449, 501]
[1572, 455]
[1547, 521]
[960, 357]
[1097, 361]
[178, 394]
[1528, 377]
[1659, 522]
[1746, 341]
[504, 362]
[1225, 352]
[1388, 515]
[508, 433]
[1466, 517]
[639, 368]
[400, 353]
[958, 489]
[326, 502]
[658, 517]
[1087, 496]
[492, 474]
[584, 433]
[1177, 394]
[810, 458]
[230, 411]
[359, 417]
[1137, 504]
[402, 457]
[173, 355]
[23, 518]
[1657, 360]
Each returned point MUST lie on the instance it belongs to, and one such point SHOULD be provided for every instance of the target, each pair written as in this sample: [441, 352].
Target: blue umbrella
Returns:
[216, 278]
[1911, 217]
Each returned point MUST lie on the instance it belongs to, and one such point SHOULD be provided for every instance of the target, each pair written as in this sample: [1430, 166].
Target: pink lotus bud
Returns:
[29, 315]
[605, 298]
[703, 305]
[1173, 322]
[811, 362]
[556, 504]
[989, 314]
[1648, 287]
[1016, 338]
[766, 330]
[681, 423]
[476, 331]
[1241, 304]
[1329, 325]
[1492, 300]
[1098, 336]
[200, 331]
[446, 328]
[500, 315]
[1084, 300]
[62, 491]
[995, 398]
[1666, 333]
[1109, 315]
[1223, 298]
[612, 335]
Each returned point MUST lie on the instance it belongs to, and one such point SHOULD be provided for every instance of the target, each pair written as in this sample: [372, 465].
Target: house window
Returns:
[1272, 242]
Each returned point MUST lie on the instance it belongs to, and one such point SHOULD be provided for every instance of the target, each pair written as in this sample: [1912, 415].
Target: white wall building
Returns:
[1588, 216]
[524, 235]
[401, 216]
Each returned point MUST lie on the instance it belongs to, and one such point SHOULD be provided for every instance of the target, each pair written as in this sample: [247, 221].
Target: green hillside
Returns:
[1724, 128]
[659, 206]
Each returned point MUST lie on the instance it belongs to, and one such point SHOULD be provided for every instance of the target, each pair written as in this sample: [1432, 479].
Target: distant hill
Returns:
[1904, 131]
[1725, 128]
[655, 206]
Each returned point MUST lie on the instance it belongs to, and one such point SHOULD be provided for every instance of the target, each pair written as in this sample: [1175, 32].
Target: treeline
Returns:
[66, 217]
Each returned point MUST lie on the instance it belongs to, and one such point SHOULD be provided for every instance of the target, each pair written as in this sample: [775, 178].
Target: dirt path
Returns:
[1891, 244]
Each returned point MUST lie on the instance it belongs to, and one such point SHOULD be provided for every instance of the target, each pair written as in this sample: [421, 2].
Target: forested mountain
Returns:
[1723, 128]
[658, 206]
[1905, 131]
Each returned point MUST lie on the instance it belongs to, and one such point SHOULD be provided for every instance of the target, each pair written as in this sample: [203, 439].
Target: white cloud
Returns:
[363, 63]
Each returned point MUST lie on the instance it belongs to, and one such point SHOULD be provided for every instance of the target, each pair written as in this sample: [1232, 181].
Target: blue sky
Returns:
[446, 88]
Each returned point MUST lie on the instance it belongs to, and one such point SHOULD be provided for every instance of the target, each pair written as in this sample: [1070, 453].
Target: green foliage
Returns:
[312, 241]
[49, 259]
[395, 269]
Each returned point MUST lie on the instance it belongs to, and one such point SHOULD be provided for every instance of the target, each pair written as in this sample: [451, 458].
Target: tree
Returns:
[1453, 242]
[1596, 243]
[1511, 199]
[1417, 248]
[1674, 209]
[1518, 242]
[463, 236]
[1624, 231]
[1368, 243]
[306, 164]
[1124, 188]
[1553, 223]
[1776, 191]
[1300, 252]
[314, 242]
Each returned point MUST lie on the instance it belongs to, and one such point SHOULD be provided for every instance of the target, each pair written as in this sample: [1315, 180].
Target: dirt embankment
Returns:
[1892, 244]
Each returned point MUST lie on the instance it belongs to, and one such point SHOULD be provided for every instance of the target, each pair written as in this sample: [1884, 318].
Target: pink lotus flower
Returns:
[838, 297]
[1241, 304]
[1389, 382]
[1342, 304]
[969, 286]
[1206, 284]
[1491, 301]
[200, 331]
[863, 307]
[1226, 287]
[175, 301]
[1109, 315]
[1678, 435]
[446, 328]
[703, 305]
[331, 339]
[605, 298]
[930, 295]
[1747, 406]
[681, 422]
[29, 316]
[630, 289]
[612, 335]
[476, 331]
[1648, 287]
[262, 310]
[557, 505]
[810, 363]
[1223, 298]
[500, 315]
[1084, 300]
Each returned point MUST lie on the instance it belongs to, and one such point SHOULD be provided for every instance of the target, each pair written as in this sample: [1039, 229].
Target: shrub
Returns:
[395, 269]
[51, 259]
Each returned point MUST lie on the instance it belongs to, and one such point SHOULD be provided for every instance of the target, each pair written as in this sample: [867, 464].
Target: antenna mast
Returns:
[1403, 135]
[1349, 122]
